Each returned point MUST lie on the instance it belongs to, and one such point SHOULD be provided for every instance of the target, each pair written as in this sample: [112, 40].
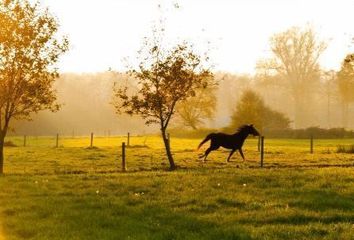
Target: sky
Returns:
[236, 32]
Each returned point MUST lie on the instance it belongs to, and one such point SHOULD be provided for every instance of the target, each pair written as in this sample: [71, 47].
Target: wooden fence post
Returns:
[262, 150]
[259, 143]
[57, 141]
[311, 144]
[124, 168]
[128, 139]
[24, 140]
[91, 144]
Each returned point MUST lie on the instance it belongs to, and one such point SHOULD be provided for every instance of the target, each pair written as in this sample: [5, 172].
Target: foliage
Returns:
[345, 83]
[251, 109]
[28, 51]
[164, 78]
[345, 79]
[193, 111]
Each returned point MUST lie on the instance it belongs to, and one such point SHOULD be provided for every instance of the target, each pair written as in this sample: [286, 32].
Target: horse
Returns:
[233, 142]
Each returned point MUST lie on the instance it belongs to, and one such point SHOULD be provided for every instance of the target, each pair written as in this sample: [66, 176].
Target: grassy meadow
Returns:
[78, 192]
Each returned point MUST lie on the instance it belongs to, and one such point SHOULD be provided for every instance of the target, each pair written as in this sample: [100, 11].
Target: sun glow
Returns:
[104, 32]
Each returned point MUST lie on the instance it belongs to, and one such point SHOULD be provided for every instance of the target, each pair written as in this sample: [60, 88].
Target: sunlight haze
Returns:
[104, 32]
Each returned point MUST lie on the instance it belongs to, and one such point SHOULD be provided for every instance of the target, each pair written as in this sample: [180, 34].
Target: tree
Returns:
[329, 80]
[251, 109]
[28, 51]
[165, 77]
[345, 83]
[194, 110]
[296, 54]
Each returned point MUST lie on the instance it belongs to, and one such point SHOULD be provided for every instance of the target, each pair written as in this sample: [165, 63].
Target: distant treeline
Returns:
[316, 132]
[86, 107]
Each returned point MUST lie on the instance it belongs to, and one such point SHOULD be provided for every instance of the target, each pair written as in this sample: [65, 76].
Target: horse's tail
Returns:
[206, 139]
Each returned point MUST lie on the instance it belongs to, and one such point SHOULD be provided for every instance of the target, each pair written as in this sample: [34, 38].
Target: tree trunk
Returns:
[2, 139]
[301, 110]
[298, 113]
[344, 114]
[168, 150]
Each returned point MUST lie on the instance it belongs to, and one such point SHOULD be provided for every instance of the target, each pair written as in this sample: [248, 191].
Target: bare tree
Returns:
[296, 54]
[28, 51]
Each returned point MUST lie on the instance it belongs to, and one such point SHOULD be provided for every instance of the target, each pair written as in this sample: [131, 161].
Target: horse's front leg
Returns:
[243, 157]
[232, 152]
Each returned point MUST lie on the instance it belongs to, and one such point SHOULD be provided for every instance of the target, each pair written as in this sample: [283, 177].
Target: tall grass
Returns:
[345, 149]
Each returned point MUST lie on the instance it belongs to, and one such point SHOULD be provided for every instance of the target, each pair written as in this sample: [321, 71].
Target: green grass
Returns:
[74, 192]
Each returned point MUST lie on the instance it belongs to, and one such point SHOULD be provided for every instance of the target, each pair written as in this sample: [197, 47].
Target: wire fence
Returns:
[67, 154]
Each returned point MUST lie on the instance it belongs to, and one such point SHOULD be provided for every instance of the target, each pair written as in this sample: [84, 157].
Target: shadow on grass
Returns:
[299, 219]
[278, 165]
[334, 209]
[325, 200]
[101, 219]
[172, 225]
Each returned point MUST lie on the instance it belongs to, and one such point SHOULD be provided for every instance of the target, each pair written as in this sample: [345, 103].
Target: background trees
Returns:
[28, 52]
[251, 110]
[345, 83]
[295, 58]
[193, 111]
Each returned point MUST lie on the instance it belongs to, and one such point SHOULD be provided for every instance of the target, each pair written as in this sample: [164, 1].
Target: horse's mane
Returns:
[241, 128]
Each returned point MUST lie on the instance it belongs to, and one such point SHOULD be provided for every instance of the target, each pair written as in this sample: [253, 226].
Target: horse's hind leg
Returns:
[211, 148]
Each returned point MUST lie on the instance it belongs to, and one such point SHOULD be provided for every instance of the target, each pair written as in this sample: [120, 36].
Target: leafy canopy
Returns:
[28, 51]
[165, 78]
[345, 79]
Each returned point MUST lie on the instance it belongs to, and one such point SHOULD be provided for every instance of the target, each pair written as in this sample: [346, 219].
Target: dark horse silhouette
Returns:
[233, 142]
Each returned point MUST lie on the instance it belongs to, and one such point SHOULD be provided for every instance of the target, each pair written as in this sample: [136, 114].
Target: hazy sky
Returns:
[103, 32]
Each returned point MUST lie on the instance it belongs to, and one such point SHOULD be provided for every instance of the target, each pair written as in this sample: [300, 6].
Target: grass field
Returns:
[76, 192]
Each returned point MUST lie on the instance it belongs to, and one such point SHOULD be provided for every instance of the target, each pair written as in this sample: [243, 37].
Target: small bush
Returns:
[345, 149]
[9, 144]
[186, 133]
[138, 146]
[316, 132]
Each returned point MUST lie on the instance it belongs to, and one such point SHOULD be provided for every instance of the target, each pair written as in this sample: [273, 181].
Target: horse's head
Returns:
[252, 130]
